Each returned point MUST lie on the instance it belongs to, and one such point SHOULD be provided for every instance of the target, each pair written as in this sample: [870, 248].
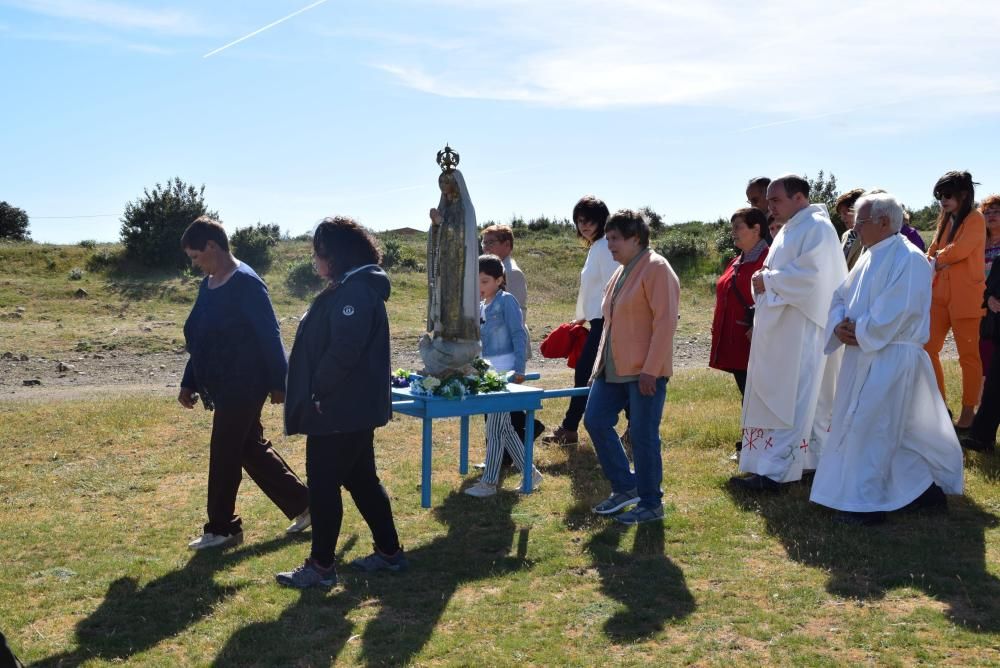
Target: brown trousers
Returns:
[238, 443]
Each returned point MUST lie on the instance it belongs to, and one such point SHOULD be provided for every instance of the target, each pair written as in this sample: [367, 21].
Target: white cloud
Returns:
[788, 59]
[115, 15]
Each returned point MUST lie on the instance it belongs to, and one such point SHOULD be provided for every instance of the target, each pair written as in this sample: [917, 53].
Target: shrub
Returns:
[392, 253]
[75, 274]
[152, 225]
[89, 244]
[253, 245]
[302, 279]
[105, 259]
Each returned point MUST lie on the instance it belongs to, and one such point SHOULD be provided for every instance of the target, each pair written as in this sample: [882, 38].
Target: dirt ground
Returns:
[84, 375]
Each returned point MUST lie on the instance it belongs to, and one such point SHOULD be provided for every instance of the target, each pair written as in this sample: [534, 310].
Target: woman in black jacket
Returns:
[338, 394]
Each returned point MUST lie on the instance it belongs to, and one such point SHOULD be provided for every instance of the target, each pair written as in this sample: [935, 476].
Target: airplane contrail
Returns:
[267, 27]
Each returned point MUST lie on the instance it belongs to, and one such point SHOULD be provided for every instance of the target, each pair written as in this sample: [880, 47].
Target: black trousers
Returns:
[581, 376]
[741, 381]
[238, 444]
[348, 460]
[984, 427]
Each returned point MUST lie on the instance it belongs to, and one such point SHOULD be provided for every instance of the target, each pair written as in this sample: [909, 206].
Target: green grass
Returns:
[100, 497]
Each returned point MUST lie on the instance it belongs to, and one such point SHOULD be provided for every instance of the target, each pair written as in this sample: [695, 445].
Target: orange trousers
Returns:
[966, 332]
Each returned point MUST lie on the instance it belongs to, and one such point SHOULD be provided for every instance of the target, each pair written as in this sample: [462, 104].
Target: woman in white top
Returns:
[589, 215]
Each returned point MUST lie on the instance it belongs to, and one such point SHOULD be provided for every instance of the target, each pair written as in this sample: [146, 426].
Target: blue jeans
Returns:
[606, 401]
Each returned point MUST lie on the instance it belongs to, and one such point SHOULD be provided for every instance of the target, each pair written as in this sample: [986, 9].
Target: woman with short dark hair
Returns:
[237, 360]
[338, 394]
[589, 216]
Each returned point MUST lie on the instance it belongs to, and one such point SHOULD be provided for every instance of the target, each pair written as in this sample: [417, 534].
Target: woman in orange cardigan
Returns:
[957, 304]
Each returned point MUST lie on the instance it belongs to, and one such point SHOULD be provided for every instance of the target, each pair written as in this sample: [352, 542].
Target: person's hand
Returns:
[647, 384]
[277, 397]
[844, 331]
[994, 304]
[581, 321]
[186, 397]
[758, 281]
[436, 217]
[517, 378]
[750, 334]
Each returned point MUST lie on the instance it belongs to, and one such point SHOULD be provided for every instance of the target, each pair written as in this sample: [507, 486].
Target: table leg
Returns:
[529, 452]
[425, 474]
[463, 446]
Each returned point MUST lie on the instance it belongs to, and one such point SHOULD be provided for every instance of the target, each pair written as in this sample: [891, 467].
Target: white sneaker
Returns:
[482, 489]
[300, 523]
[211, 540]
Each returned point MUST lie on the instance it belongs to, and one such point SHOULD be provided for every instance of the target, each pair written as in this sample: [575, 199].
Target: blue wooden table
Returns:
[515, 398]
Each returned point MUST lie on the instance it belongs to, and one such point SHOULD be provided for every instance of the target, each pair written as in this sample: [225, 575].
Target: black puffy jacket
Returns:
[340, 358]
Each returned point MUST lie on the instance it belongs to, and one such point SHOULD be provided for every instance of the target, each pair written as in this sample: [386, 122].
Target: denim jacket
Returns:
[502, 330]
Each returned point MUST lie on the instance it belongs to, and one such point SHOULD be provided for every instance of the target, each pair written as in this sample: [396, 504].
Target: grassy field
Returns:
[99, 497]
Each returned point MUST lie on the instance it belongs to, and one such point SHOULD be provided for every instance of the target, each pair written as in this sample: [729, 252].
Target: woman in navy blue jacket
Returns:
[338, 394]
[237, 360]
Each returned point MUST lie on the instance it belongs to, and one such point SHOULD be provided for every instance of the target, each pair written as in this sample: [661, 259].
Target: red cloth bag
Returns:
[567, 341]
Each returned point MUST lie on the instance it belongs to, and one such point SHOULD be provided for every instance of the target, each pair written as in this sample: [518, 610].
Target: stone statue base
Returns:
[442, 357]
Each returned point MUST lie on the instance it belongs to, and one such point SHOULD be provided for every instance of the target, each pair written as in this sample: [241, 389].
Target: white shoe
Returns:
[482, 489]
[211, 540]
[536, 478]
[300, 523]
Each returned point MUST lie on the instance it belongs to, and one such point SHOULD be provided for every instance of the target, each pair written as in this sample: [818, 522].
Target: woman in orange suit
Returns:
[957, 304]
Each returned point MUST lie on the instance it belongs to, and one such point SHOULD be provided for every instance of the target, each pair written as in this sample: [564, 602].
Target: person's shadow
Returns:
[131, 619]
[477, 546]
[648, 583]
[310, 632]
[645, 580]
[942, 554]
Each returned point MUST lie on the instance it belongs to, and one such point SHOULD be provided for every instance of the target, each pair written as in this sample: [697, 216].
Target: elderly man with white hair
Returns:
[891, 444]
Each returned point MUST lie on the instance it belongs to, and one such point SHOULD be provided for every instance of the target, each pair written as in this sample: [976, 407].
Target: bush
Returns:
[13, 223]
[89, 244]
[75, 274]
[302, 279]
[253, 245]
[392, 253]
[103, 260]
[153, 224]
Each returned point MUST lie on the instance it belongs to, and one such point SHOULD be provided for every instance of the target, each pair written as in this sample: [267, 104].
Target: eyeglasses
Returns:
[863, 221]
[943, 195]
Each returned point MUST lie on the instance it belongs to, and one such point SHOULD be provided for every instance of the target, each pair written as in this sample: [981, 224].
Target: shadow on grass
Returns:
[987, 463]
[645, 580]
[131, 619]
[942, 555]
[648, 583]
[476, 547]
[311, 632]
[315, 629]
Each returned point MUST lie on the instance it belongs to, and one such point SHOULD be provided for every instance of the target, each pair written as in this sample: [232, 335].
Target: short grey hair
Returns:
[883, 204]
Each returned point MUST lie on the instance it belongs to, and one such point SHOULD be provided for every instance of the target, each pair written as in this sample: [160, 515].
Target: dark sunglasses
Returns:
[944, 194]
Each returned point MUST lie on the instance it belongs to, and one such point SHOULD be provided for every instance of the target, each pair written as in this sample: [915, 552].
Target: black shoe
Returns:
[859, 519]
[756, 483]
[970, 442]
[739, 446]
[932, 499]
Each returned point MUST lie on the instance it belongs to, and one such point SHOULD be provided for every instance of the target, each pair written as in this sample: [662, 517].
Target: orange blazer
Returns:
[960, 285]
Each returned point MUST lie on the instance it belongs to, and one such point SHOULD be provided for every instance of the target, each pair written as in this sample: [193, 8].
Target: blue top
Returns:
[234, 341]
[502, 330]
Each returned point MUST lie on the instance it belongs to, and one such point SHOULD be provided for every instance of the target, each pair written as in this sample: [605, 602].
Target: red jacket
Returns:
[730, 346]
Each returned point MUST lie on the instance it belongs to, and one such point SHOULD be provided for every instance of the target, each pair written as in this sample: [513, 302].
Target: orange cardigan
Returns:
[960, 285]
[642, 319]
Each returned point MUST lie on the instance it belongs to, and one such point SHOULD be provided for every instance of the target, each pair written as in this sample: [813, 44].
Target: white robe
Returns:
[790, 383]
[892, 436]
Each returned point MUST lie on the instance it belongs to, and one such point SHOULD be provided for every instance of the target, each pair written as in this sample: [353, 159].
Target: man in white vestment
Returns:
[790, 382]
[892, 441]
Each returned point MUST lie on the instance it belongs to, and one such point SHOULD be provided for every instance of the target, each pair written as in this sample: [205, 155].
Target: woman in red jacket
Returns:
[733, 321]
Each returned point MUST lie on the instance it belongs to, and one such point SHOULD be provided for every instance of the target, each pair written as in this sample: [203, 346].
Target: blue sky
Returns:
[341, 108]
